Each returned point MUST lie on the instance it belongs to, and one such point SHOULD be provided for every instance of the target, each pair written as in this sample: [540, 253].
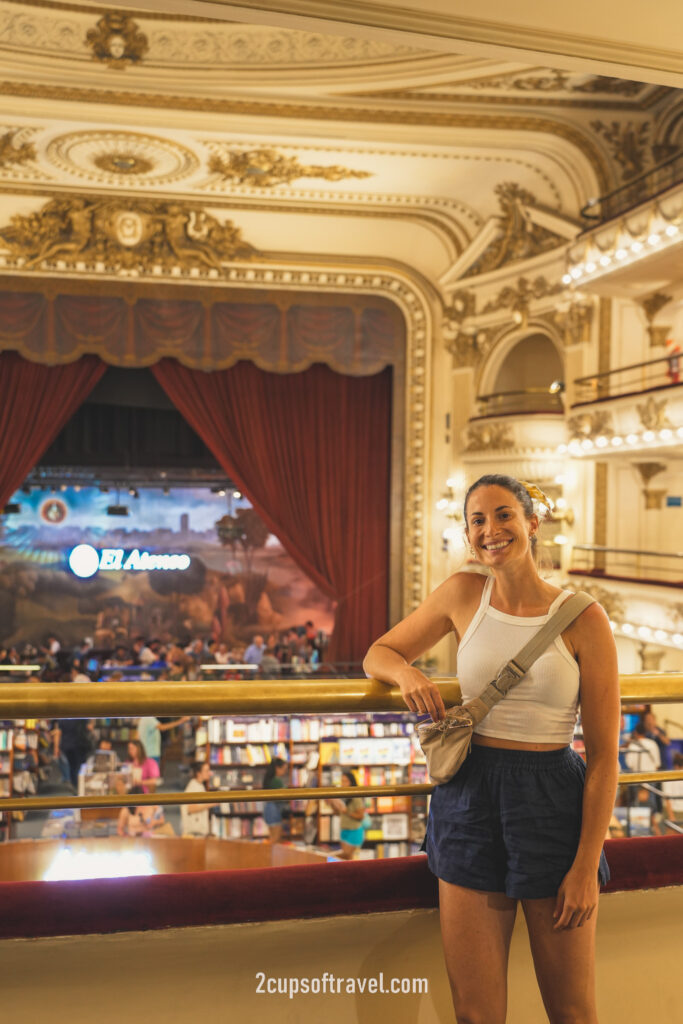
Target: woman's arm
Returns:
[600, 718]
[390, 658]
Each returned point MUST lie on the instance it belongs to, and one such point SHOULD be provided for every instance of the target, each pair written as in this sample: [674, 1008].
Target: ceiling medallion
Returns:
[117, 157]
[123, 163]
[264, 168]
[116, 41]
[123, 235]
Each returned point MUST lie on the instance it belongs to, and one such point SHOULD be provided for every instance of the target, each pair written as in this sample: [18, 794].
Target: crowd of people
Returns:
[294, 650]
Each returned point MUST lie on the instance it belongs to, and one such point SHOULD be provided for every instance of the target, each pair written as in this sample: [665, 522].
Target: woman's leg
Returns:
[476, 928]
[565, 964]
[274, 833]
[348, 851]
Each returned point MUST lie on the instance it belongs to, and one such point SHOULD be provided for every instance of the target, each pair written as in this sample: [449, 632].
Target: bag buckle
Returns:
[508, 675]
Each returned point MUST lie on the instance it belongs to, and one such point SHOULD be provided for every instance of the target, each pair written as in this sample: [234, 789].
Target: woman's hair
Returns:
[141, 752]
[510, 484]
[348, 774]
[271, 769]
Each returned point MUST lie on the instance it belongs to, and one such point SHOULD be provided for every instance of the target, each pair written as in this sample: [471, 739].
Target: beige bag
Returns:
[447, 743]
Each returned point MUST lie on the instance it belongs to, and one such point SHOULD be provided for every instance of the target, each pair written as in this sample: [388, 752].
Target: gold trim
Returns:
[97, 10]
[570, 133]
[600, 514]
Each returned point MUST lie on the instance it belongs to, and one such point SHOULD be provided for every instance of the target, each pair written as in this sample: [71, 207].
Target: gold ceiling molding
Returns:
[590, 425]
[113, 157]
[117, 41]
[552, 80]
[530, 101]
[518, 298]
[85, 9]
[124, 235]
[518, 237]
[310, 111]
[265, 168]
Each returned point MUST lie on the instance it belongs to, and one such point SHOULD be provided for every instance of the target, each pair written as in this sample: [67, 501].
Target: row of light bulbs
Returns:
[667, 435]
[624, 253]
[659, 636]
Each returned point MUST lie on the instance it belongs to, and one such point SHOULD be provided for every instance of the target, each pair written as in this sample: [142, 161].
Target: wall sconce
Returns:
[450, 504]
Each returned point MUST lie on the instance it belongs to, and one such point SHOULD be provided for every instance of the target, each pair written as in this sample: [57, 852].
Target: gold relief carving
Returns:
[650, 657]
[518, 298]
[463, 349]
[10, 154]
[123, 235]
[123, 163]
[264, 168]
[653, 414]
[652, 305]
[482, 437]
[573, 324]
[611, 602]
[518, 237]
[590, 425]
[116, 41]
[553, 81]
[463, 305]
[648, 470]
[628, 144]
[654, 499]
[611, 86]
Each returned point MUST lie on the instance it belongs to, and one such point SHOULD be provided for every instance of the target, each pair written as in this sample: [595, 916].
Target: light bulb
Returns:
[605, 261]
[590, 267]
[677, 638]
[631, 439]
[617, 440]
[636, 246]
[566, 279]
[442, 503]
[576, 272]
[601, 442]
[562, 449]
[648, 435]
[621, 254]
[645, 632]
[627, 628]
[654, 238]
[587, 444]
[660, 634]
[672, 230]
[560, 539]
[666, 434]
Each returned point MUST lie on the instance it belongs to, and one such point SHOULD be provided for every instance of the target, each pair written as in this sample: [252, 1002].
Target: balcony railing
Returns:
[629, 380]
[72, 700]
[528, 400]
[662, 567]
[639, 190]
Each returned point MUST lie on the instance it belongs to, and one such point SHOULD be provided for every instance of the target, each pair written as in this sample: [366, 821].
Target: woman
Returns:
[352, 824]
[272, 810]
[143, 821]
[142, 768]
[516, 822]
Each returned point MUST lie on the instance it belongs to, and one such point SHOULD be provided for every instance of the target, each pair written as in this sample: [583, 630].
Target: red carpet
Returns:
[30, 909]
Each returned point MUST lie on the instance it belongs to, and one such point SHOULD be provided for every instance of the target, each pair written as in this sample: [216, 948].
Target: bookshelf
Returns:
[380, 749]
[6, 765]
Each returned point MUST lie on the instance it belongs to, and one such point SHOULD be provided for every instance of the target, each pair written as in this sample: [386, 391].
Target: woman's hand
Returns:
[577, 899]
[421, 695]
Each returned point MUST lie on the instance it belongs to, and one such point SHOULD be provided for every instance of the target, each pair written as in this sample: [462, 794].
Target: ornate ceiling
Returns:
[303, 146]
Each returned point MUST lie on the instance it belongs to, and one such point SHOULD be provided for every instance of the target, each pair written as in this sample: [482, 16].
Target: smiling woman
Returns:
[516, 822]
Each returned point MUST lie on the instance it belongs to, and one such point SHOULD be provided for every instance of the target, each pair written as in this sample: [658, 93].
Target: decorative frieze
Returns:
[117, 41]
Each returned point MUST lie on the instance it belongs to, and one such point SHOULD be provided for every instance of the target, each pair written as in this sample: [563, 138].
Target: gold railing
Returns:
[258, 697]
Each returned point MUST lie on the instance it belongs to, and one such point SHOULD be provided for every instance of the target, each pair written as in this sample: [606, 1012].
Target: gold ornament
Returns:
[265, 168]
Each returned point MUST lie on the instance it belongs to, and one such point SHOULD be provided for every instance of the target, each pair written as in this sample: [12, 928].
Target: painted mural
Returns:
[237, 580]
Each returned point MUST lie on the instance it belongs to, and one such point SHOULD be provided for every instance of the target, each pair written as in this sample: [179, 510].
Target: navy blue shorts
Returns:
[509, 821]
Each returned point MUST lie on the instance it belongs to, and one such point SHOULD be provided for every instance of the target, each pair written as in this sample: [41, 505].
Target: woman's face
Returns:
[281, 769]
[497, 527]
[132, 751]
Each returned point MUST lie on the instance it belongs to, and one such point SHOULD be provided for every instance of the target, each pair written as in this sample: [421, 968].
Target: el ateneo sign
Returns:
[85, 561]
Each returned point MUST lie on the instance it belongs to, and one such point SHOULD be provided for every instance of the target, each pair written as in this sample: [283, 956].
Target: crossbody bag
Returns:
[447, 743]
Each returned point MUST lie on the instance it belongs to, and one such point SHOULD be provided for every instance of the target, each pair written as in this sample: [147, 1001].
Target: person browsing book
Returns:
[523, 820]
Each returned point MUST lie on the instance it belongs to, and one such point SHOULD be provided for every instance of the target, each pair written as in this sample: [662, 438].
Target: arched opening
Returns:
[524, 378]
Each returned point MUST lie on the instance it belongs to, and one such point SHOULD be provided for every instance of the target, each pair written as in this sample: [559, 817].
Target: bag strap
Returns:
[517, 667]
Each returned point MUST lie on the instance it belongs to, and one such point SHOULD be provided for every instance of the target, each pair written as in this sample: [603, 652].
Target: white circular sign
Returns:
[84, 561]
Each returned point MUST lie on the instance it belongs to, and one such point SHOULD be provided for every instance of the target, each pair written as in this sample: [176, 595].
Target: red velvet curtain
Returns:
[35, 403]
[311, 451]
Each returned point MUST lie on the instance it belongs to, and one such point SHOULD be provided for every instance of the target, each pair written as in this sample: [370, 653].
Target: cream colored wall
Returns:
[197, 974]
[636, 44]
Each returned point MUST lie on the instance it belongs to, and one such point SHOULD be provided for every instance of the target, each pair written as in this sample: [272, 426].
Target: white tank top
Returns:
[543, 707]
